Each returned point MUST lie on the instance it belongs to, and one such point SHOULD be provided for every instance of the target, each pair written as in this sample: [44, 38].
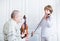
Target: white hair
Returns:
[14, 13]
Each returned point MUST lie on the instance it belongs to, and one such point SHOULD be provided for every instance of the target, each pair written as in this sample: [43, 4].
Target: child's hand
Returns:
[32, 34]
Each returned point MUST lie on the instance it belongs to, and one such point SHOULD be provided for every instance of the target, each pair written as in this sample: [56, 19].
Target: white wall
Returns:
[58, 19]
[34, 11]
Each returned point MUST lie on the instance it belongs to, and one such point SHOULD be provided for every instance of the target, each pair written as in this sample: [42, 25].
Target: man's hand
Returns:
[32, 34]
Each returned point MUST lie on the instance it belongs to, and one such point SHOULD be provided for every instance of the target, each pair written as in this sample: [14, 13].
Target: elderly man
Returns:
[11, 28]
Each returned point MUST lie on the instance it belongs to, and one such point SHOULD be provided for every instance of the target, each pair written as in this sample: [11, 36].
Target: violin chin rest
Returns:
[24, 36]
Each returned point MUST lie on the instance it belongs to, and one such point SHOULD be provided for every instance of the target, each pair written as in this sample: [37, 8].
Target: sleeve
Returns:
[11, 33]
[5, 28]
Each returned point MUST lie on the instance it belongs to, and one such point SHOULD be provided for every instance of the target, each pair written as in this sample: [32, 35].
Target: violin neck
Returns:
[25, 24]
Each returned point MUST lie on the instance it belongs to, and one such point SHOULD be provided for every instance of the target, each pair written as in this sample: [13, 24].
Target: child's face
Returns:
[47, 12]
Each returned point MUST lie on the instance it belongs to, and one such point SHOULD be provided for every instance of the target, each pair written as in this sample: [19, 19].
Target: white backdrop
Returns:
[33, 9]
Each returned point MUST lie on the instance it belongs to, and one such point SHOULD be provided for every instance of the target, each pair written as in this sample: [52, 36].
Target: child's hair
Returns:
[48, 7]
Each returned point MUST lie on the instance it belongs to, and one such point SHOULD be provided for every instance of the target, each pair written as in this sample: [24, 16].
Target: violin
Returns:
[24, 28]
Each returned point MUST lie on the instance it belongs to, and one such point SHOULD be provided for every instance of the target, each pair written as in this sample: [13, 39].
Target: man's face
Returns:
[47, 13]
[18, 17]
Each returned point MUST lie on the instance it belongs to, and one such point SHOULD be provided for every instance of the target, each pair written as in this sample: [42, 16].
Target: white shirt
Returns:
[11, 31]
[45, 26]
